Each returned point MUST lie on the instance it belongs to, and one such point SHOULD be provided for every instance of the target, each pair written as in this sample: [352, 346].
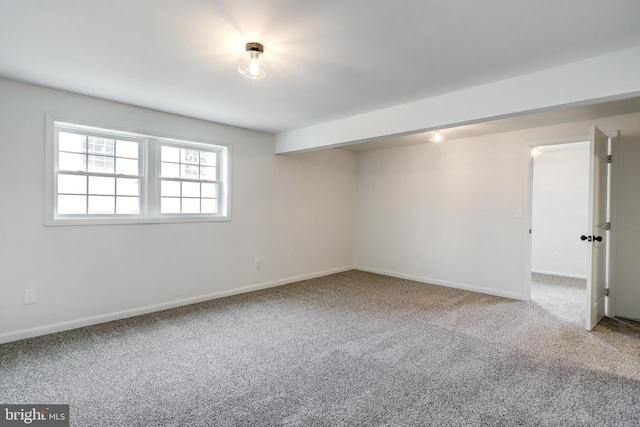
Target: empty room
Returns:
[221, 213]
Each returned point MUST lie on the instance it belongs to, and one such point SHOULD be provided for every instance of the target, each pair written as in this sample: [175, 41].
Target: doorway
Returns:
[560, 200]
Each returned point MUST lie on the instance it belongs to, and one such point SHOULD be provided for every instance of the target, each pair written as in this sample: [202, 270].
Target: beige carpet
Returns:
[348, 349]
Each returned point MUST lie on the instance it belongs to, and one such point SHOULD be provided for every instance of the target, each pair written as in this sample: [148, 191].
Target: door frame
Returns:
[528, 223]
[614, 140]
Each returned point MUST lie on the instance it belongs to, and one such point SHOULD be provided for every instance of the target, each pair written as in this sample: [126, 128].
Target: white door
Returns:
[597, 239]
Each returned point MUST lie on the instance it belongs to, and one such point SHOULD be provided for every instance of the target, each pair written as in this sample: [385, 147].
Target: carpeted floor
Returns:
[353, 348]
[564, 298]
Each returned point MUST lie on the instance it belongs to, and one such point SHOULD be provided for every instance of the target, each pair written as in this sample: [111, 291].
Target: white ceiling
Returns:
[331, 58]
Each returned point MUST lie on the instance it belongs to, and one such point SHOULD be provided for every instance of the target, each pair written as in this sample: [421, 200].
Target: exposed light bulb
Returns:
[253, 63]
[254, 67]
[437, 137]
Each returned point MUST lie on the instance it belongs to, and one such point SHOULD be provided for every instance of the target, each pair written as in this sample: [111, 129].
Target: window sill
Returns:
[128, 220]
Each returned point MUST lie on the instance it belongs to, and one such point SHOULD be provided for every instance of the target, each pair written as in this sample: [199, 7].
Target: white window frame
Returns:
[62, 127]
[149, 169]
[155, 160]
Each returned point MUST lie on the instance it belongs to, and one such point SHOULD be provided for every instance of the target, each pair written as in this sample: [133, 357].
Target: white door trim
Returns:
[611, 238]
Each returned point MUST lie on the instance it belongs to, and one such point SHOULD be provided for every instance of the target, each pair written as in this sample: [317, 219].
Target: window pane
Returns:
[126, 166]
[170, 154]
[190, 172]
[98, 145]
[169, 170]
[209, 190]
[128, 187]
[101, 204]
[170, 188]
[128, 205]
[207, 173]
[190, 156]
[127, 149]
[71, 142]
[100, 164]
[71, 162]
[169, 205]
[190, 189]
[74, 184]
[207, 158]
[72, 204]
[209, 205]
[102, 185]
[190, 205]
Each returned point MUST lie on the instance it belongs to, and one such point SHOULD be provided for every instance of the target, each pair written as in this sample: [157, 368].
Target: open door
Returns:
[597, 239]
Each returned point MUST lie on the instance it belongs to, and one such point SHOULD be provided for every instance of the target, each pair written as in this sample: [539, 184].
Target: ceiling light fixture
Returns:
[253, 63]
[536, 151]
[437, 137]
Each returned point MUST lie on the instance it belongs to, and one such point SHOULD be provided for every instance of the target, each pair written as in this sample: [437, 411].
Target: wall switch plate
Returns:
[29, 296]
[519, 213]
[556, 255]
[258, 263]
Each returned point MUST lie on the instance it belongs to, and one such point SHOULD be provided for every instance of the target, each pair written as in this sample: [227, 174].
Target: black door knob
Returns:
[583, 238]
[597, 238]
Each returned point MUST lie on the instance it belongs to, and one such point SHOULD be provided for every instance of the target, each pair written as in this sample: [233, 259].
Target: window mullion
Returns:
[86, 171]
[115, 179]
[87, 201]
[115, 196]
[151, 184]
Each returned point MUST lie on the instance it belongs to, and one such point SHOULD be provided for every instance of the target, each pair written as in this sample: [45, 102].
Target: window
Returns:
[101, 176]
[188, 180]
[97, 175]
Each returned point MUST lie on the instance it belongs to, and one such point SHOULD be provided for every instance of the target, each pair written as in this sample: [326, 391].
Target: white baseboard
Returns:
[463, 286]
[555, 273]
[103, 318]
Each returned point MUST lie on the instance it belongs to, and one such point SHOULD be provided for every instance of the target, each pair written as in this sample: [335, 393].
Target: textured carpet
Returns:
[348, 349]
[564, 298]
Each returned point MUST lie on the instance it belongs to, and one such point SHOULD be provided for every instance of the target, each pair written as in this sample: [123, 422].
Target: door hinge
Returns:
[609, 158]
[606, 292]
[608, 226]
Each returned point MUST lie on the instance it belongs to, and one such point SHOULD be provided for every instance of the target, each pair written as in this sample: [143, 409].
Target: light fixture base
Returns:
[253, 63]
[254, 47]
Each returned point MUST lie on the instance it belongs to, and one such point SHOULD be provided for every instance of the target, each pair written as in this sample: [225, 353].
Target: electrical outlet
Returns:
[29, 296]
[556, 255]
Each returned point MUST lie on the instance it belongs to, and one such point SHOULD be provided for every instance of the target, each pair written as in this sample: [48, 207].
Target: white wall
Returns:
[445, 213]
[295, 212]
[560, 210]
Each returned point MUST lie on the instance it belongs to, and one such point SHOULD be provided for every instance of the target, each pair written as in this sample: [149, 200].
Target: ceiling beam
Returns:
[603, 78]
